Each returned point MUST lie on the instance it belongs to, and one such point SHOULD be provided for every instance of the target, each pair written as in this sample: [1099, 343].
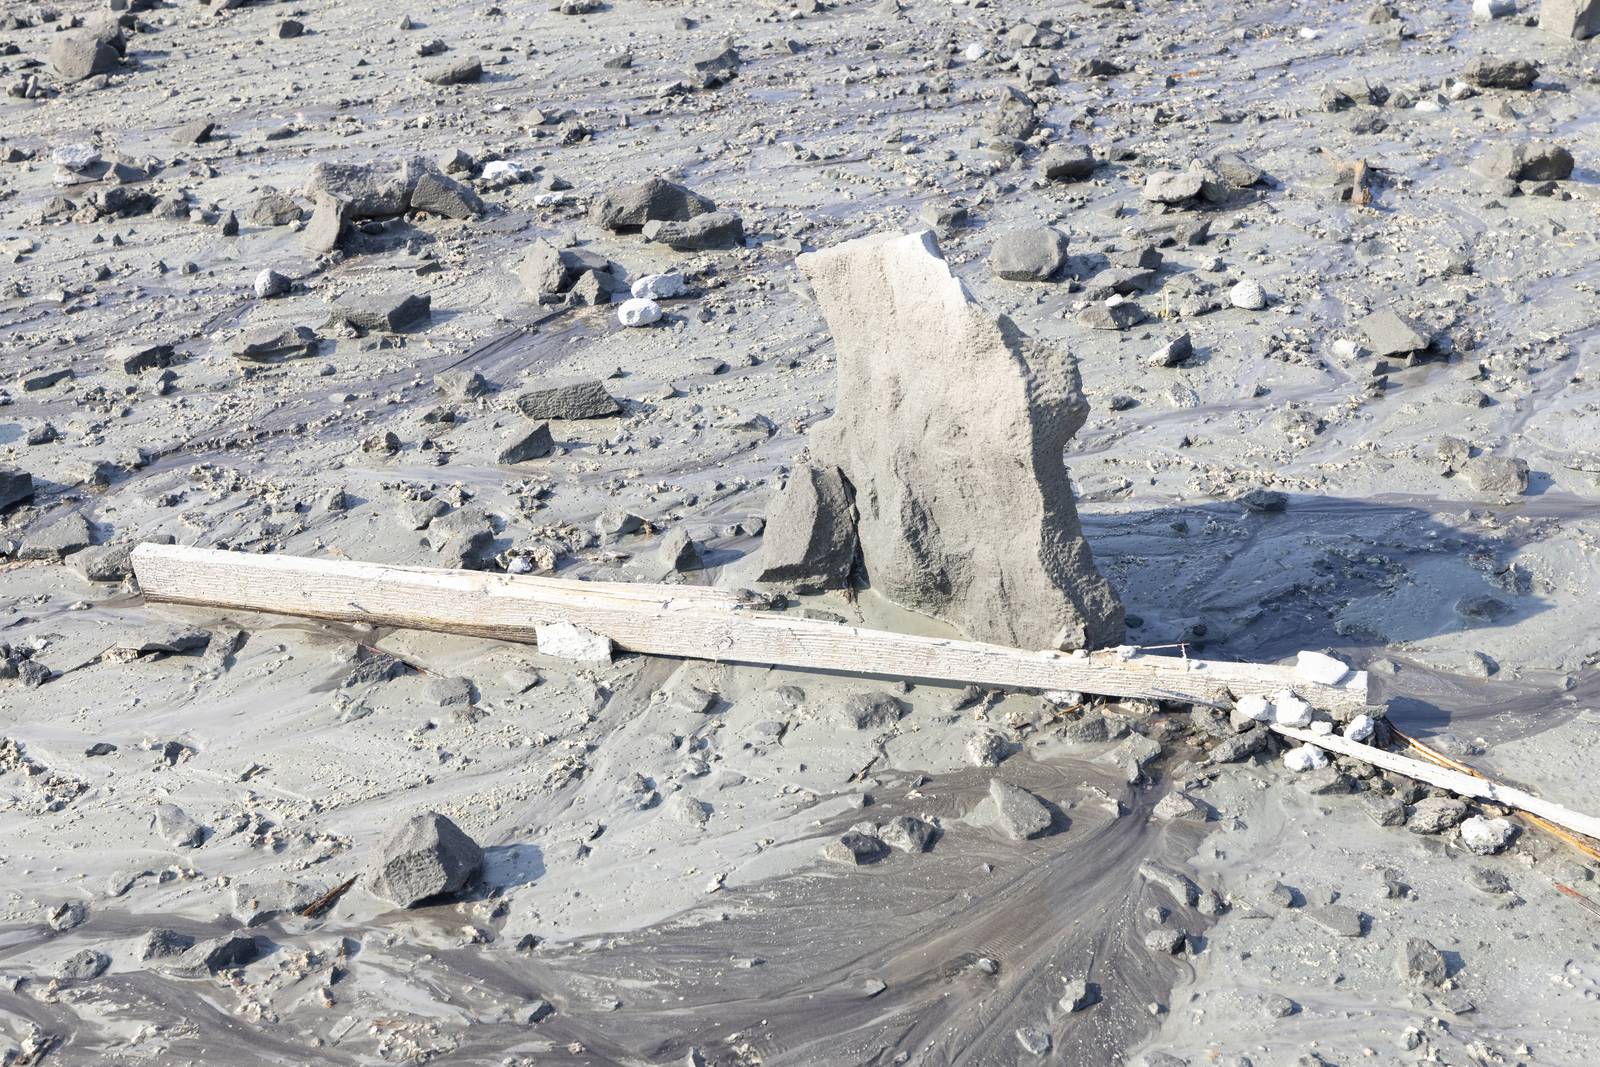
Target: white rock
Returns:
[1308, 34]
[1290, 710]
[1254, 707]
[1493, 9]
[502, 172]
[1247, 295]
[1486, 836]
[269, 283]
[659, 286]
[975, 52]
[567, 641]
[1316, 667]
[638, 312]
[1305, 758]
[1345, 348]
[1321, 727]
[75, 156]
[1360, 727]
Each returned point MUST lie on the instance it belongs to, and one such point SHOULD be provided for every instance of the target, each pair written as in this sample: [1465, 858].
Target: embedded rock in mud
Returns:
[949, 428]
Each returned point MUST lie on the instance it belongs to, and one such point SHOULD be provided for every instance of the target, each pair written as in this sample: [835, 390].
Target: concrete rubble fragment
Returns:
[924, 550]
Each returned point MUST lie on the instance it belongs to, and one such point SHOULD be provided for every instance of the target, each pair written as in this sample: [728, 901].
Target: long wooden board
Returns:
[691, 622]
[1458, 782]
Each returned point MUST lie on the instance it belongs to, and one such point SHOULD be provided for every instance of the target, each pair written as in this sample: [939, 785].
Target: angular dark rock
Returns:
[525, 445]
[810, 542]
[652, 200]
[580, 400]
[423, 857]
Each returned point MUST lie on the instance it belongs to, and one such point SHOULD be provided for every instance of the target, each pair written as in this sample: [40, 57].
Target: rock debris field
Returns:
[1226, 330]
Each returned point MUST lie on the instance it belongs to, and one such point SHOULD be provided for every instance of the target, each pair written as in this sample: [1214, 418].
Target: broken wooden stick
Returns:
[1458, 782]
[690, 622]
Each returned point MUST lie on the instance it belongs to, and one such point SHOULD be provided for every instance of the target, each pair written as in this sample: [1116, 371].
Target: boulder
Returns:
[389, 312]
[1388, 333]
[652, 200]
[425, 856]
[711, 232]
[547, 271]
[1068, 163]
[441, 195]
[76, 56]
[1030, 255]
[454, 72]
[1488, 73]
[330, 218]
[1018, 813]
[950, 427]
[368, 191]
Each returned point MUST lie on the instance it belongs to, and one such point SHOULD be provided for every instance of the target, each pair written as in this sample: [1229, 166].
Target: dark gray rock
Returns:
[438, 194]
[547, 271]
[812, 545]
[1487, 72]
[257, 902]
[58, 540]
[268, 344]
[655, 199]
[423, 857]
[275, 209]
[532, 444]
[176, 828]
[678, 551]
[580, 400]
[1030, 255]
[1420, 963]
[15, 487]
[162, 944]
[869, 711]
[1068, 163]
[82, 966]
[856, 847]
[76, 56]
[454, 72]
[388, 312]
[1388, 333]
[1434, 815]
[216, 954]
[330, 220]
[909, 833]
[1018, 813]
[708, 232]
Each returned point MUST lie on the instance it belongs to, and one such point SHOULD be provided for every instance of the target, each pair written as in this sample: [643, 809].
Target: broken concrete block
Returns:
[810, 539]
[423, 857]
[581, 400]
[950, 426]
[1576, 19]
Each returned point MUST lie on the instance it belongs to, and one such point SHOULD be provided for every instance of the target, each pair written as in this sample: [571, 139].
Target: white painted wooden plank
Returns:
[684, 621]
[1466, 785]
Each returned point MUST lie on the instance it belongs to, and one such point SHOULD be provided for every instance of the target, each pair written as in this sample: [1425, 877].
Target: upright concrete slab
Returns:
[949, 428]
[1578, 19]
